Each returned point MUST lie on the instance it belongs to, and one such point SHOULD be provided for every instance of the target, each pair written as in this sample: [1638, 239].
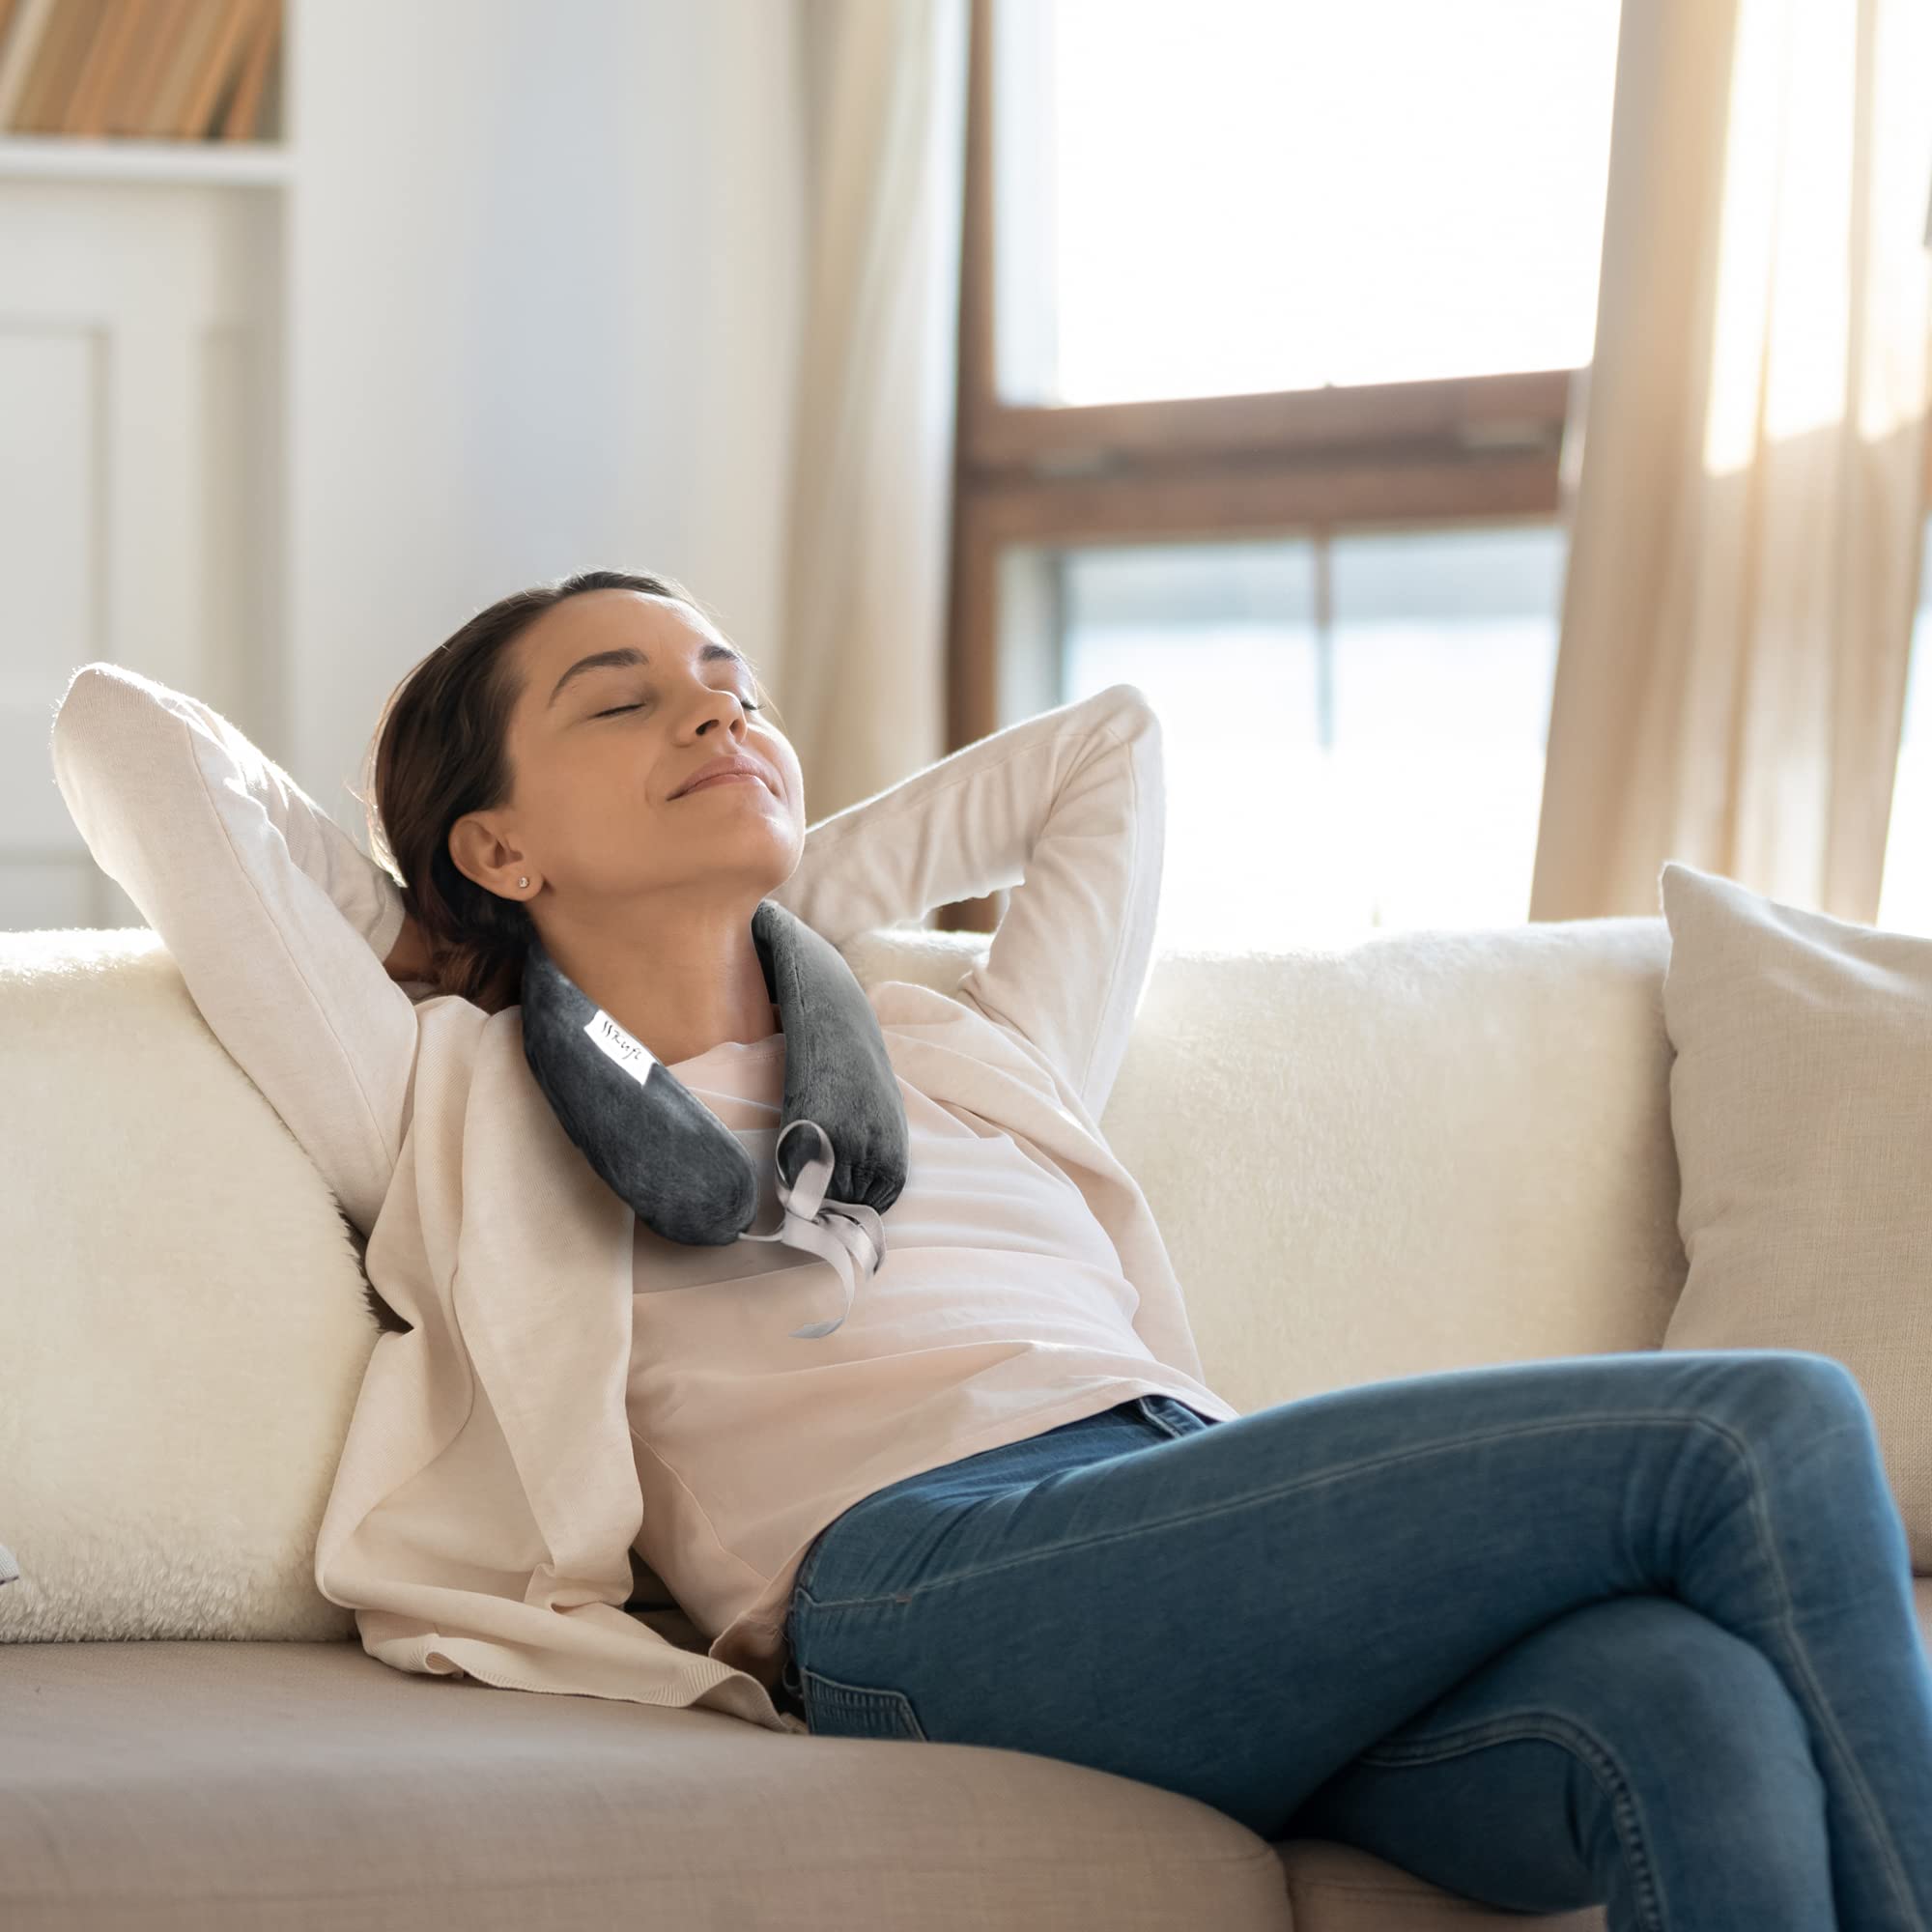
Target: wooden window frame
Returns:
[1281, 462]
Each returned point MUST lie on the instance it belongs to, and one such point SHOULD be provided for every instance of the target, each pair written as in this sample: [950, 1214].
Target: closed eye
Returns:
[613, 712]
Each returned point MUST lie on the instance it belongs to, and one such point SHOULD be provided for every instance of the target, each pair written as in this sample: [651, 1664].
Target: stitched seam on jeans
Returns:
[1200, 1514]
[1646, 1418]
[1587, 1749]
[862, 1696]
[1855, 1771]
[1787, 1618]
[1152, 1414]
[801, 1583]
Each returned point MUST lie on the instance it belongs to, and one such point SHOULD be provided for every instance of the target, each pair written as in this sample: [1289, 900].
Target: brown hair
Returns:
[439, 751]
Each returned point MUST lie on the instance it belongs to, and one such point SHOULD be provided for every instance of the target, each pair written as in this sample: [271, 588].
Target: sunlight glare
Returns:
[1260, 196]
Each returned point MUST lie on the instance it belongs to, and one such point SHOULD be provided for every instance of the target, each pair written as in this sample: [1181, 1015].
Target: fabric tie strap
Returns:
[847, 1234]
[664, 1151]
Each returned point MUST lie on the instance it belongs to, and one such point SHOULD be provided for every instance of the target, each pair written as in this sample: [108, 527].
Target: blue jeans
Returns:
[1633, 1630]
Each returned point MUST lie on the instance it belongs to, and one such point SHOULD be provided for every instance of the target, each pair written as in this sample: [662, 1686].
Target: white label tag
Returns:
[632, 1055]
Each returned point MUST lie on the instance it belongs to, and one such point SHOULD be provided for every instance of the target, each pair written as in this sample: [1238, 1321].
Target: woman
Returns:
[1628, 1628]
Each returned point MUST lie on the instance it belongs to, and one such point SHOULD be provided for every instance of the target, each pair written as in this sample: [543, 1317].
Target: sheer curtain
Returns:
[882, 125]
[1742, 476]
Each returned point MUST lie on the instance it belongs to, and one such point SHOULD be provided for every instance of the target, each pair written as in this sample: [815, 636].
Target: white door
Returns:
[140, 466]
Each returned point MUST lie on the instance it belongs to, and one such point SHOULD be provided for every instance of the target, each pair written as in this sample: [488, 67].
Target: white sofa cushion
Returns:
[1801, 1101]
[1432, 1150]
[183, 1326]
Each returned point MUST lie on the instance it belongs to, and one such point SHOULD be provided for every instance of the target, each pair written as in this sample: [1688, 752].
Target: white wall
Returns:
[543, 292]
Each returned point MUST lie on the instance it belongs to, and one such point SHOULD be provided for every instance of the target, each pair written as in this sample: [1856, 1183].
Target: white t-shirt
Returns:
[1000, 1312]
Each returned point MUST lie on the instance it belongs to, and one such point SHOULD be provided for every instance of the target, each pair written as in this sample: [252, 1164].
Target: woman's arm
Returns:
[277, 920]
[1067, 811]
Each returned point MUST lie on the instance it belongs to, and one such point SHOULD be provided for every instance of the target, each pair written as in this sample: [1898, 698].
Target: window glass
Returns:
[1331, 777]
[1207, 197]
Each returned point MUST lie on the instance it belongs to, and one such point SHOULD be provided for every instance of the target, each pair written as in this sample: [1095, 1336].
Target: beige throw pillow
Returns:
[1801, 1102]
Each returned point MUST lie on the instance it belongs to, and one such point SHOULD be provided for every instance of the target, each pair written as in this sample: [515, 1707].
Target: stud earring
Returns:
[523, 882]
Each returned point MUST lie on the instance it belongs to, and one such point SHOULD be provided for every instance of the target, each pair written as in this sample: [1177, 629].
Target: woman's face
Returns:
[597, 750]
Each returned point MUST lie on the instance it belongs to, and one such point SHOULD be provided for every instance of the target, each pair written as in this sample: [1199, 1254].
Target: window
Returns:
[1269, 314]
[1207, 198]
[1353, 729]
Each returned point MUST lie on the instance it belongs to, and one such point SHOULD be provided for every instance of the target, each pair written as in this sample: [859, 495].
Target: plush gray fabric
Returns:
[662, 1152]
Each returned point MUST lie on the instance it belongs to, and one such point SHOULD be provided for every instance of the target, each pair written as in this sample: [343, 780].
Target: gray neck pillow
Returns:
[843, 1146]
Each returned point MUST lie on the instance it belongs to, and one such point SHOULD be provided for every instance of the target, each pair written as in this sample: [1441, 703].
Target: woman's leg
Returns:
[1238, 1613]
[1628, 1753]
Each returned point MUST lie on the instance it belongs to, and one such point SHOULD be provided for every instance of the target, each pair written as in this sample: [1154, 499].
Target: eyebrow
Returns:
[630, 654]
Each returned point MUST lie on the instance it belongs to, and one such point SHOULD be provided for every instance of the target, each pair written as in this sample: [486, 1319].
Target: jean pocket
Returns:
[834, 1709]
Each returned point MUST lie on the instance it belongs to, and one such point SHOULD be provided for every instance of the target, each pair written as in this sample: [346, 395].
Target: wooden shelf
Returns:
[161, 163]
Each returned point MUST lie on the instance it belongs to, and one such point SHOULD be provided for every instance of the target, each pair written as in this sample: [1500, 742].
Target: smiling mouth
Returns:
[722, 779]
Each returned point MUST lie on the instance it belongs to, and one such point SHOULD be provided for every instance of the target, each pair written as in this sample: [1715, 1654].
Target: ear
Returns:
[483, 850]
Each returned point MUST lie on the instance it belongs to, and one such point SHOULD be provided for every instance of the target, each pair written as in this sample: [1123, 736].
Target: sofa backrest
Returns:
[1428, 1150]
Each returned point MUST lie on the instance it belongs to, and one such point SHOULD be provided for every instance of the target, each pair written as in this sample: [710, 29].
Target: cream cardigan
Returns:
[486, 1501]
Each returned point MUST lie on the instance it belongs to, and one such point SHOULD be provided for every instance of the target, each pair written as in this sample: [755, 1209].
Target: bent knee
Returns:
[1782, 1382]
[1643, 1684]
[1794, 1396]
[1672, 1699]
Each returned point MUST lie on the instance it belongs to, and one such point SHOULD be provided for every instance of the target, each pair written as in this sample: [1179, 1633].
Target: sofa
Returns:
[1455, 1148]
